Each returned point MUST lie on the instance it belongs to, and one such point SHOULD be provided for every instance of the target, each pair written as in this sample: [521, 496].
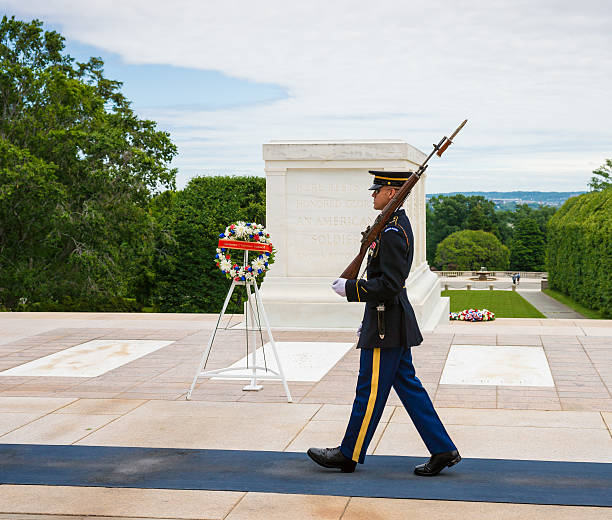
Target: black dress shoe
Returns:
[437, 463]
[332, 458]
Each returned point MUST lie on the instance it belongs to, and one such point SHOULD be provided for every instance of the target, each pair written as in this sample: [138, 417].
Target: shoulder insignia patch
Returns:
[391, 229]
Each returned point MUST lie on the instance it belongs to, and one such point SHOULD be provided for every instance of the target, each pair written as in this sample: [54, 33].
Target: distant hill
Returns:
[509, 199]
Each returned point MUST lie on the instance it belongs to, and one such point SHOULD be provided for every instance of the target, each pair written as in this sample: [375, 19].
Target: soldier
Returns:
[388, 331]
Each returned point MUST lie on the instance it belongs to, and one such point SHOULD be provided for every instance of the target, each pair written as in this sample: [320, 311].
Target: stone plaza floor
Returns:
[137, 399]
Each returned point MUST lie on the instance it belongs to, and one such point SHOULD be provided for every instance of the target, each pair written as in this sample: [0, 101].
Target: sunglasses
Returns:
[377, 190]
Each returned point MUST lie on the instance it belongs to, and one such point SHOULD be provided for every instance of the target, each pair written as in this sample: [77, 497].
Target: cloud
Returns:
[522, 72]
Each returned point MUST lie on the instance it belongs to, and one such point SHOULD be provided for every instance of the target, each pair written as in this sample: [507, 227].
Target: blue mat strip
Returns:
[481, 480]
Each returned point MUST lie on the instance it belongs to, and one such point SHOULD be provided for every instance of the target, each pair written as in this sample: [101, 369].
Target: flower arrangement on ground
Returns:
[250, 237]
[473, 315]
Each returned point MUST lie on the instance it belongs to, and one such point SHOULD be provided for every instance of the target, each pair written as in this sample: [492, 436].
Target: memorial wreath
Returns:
[250, 237]
[473, 315]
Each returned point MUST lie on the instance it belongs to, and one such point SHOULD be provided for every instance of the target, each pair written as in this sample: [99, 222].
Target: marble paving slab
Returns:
[496, 365]
[90, 359]
[301, 361]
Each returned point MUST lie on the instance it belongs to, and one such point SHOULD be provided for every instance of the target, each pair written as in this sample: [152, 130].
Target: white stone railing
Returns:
[524, 274]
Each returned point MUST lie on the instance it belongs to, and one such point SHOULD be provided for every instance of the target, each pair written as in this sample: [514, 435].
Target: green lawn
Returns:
[566, 300]
[504, 304]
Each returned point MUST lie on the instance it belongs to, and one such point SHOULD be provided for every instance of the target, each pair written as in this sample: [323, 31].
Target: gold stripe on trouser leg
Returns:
[370, 407]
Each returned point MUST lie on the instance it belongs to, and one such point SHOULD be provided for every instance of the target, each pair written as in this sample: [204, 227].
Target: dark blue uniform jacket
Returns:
[389, 262]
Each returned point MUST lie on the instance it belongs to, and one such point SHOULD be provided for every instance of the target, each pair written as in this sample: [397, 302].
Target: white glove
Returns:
[359, 329]
[339, 286]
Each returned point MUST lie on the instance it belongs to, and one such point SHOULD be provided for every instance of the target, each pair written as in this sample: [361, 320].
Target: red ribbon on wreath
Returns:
[249, 246]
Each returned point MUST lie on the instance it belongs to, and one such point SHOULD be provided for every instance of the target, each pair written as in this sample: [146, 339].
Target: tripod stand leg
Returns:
[210, 341]
[252, 386]
[278, 363]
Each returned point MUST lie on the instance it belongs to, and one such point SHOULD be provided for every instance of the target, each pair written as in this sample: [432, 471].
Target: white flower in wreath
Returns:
[258, 263]
[241, 230]
[225, 265]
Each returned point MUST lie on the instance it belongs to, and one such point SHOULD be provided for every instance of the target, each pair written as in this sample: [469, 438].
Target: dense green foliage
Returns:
[527, 246]
[77, 170]
[579, 252]
[541, 215]
[187, 279]
[447, 214]
[504, 304]
[469, 249]
[602, 177]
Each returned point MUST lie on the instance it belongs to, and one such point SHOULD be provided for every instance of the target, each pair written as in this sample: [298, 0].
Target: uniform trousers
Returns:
[379, 370]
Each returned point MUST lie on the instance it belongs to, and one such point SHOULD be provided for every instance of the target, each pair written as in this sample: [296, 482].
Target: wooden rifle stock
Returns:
[370, 234]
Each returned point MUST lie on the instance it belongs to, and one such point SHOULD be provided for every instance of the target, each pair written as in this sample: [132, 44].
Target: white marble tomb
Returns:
[317, 205]
[301, 361]
[496, 365]
[90, 359]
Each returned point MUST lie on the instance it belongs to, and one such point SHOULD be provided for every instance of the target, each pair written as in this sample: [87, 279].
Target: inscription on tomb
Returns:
[326, 211]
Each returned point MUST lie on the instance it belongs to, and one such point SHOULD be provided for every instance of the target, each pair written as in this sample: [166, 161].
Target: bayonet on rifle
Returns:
[448, 141]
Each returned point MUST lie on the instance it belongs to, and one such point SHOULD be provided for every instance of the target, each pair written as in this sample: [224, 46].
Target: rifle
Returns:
[369, 235]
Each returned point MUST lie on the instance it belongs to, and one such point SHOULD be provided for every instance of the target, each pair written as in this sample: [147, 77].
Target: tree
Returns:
[541, 215]
[469, 250]
[527, 248]
[477, 220]
[602, 177]
[77, 169]
[450, 213]
[505, 225]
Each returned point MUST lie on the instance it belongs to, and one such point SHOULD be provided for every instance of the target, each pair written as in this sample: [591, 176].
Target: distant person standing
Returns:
[518, 278]
[514, 279]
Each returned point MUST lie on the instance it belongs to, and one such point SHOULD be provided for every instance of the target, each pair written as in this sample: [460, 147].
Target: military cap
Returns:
[393, 179]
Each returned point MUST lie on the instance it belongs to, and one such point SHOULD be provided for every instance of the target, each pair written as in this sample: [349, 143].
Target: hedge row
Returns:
[579, 254]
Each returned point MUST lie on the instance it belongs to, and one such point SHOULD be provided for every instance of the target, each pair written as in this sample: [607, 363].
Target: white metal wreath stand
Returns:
[256, 326]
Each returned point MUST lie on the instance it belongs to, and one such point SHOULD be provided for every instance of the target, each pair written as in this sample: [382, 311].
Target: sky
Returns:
[534, 79]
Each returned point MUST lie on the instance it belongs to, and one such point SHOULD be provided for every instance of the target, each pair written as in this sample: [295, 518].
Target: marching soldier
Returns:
[388, 332]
